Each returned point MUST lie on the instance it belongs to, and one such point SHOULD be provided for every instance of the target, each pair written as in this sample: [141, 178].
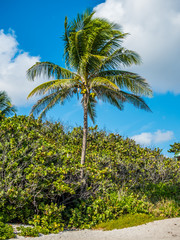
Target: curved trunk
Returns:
[85, 129]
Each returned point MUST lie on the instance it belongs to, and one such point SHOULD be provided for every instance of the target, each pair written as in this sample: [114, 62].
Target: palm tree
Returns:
[6, 108]
[94, 56]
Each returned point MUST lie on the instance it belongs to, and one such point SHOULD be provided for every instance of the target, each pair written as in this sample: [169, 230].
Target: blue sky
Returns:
[31, 31]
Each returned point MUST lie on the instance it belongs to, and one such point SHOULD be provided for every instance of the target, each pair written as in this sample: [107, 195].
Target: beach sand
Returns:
[168, 229]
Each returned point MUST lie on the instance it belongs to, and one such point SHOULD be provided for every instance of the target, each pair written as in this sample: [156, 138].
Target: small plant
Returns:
[42, 230]
[166, 208]
[51, 219]
[28, 231]
[6, 231]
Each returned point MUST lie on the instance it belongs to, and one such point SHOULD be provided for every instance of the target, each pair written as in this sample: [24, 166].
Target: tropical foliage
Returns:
[95, 60]
[40, 179]
[6, 231]
[175, 148]
[28, 231]
[6, 108]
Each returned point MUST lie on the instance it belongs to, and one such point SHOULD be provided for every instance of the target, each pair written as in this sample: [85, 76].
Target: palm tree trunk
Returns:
[85, 129]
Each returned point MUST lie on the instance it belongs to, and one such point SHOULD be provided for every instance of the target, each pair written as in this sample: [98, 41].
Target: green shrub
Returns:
[175, 148]
[88, 213]
[40, 176]
[6, 231]
[28, 231]
[166, 208]
[50, 219]
[42, 230]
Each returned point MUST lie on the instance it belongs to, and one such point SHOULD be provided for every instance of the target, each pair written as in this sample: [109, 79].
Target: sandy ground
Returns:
[168, 229]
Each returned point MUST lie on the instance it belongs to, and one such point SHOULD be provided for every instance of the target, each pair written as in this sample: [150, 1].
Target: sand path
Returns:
[168, 229]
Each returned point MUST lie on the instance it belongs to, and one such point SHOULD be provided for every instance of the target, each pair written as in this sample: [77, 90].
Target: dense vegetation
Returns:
[40, 179]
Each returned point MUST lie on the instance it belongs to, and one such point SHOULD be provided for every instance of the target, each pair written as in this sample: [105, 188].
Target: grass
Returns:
[128, 220]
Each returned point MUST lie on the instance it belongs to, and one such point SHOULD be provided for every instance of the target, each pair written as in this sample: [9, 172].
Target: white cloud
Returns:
[154, 26]
[143, 138]
[163, 136]
[13, 66]
[147, 138]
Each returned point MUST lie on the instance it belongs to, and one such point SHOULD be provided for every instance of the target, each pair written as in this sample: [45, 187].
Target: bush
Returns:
[50, 219]
[175, 148]
[6, 231]
[40, 176]
[89, 213]
[166, 208]
[28, 231]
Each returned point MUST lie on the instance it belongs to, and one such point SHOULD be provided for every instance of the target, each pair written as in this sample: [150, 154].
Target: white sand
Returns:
[168, 229]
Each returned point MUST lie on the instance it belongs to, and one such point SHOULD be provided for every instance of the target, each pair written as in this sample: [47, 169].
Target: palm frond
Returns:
[6, 108]
[41, 88]
[55, 85]
[61, 84]
[42, 103]
[103, 31]
[75, 39]
[100, 81]
[112, 44]
[48, 69]
[137, 101]
[89, 63]
[91, 108]
[81, 21]
[47, 102]
[108, 95]
[77, 47]
[132, 81]
[96, 56]
[118, 98]
[65, 38]
[119, 57]
[4, 99]
[57, 98]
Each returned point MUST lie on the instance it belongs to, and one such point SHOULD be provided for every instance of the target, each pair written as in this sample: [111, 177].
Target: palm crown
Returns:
[6, 107]
[94, 58]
